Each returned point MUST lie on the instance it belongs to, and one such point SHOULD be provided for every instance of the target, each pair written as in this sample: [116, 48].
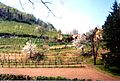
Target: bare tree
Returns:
[45, 3]
[95, 42]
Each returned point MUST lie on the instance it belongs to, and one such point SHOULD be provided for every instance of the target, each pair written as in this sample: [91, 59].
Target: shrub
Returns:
[26, 77]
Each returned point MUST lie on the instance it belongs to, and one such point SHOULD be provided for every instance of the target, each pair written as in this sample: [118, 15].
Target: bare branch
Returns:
[21, 4]
[31, 3]
[48, 2]
[44, 3]
[61, 2]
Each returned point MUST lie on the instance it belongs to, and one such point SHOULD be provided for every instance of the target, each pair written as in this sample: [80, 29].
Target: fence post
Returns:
[4, 56]
[29, 63]
[3, 60]
[61, 61]
[16, 64]
[32, 62]
[22, 63]
[35, 64]
[49, 61]
[8, 62]
[2, 63]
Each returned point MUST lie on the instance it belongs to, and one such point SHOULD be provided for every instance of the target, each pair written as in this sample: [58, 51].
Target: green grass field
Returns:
[14, 44]
[22, 28]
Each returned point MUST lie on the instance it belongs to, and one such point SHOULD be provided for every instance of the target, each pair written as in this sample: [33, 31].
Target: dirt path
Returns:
[81, 73]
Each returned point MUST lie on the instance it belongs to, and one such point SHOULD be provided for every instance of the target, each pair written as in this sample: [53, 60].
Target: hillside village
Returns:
[78, 40]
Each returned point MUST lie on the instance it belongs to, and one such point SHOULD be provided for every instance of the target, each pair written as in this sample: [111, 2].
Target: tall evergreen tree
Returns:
[111, 34]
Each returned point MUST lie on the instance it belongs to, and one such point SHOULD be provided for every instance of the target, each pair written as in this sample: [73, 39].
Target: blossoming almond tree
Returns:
[29, 48]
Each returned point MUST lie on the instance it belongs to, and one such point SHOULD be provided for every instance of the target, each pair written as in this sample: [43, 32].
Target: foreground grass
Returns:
[114, 71]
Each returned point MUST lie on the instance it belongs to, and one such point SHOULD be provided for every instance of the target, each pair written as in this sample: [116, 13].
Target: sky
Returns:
[82, 15]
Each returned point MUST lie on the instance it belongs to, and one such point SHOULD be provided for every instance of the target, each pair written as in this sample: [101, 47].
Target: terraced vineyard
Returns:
[52, 58]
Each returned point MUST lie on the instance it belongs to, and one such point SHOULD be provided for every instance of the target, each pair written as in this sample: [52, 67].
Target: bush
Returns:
[38, 56]
[50, 78]
[26, 77]
[14, 77]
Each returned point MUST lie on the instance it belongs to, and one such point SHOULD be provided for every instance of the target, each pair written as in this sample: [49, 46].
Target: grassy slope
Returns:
[16, 44]
[17, 28]
[20, 28]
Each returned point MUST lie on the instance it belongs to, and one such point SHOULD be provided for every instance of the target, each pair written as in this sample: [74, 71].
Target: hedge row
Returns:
[26, 77]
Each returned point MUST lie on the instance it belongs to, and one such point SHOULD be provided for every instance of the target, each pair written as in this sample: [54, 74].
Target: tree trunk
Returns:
[93, 49]
[30, 53]
[94, 54]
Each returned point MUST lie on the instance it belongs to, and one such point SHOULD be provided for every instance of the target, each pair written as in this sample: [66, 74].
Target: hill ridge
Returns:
[13, 14]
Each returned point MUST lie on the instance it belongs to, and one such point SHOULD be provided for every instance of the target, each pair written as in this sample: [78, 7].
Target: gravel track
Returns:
[81, 73]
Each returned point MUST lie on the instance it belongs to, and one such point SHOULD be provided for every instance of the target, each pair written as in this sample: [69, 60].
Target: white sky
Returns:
[70, 14]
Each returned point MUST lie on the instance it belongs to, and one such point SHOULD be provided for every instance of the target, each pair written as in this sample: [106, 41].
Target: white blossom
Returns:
[29, 47]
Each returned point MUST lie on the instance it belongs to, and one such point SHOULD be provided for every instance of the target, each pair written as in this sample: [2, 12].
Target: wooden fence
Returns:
[21, 60]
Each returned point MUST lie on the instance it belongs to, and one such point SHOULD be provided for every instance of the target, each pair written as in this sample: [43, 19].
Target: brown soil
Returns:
[81, 73]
